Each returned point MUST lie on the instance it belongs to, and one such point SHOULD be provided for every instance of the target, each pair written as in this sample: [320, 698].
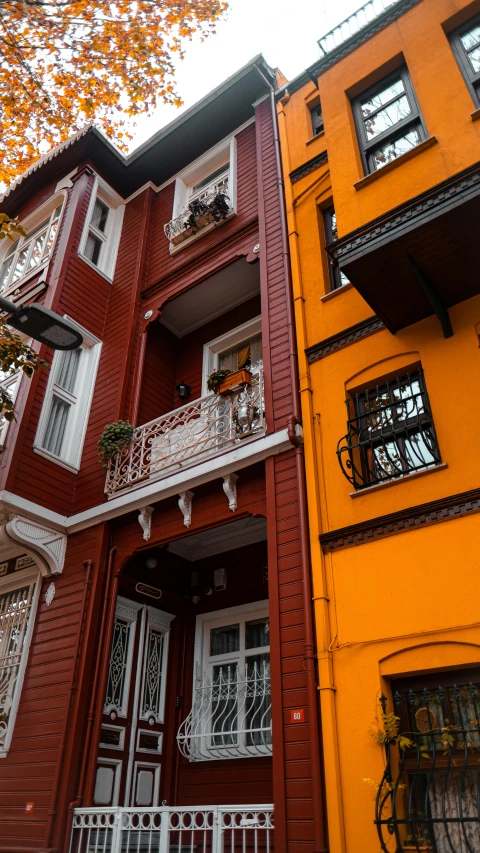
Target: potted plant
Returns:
[113, 439]
[226, 382]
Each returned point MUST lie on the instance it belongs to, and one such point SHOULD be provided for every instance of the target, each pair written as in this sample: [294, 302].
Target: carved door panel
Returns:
[130, 751]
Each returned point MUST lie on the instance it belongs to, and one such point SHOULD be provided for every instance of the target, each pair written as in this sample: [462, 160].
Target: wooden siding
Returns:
[28, 772]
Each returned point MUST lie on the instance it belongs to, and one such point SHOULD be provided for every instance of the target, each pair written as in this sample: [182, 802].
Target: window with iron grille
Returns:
[337, 278]
[429, 797]
[390, 432]
[388, 120]
[465, 42]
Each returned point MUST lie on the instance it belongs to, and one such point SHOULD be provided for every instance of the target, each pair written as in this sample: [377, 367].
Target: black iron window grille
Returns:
[466, 46]
[317, 119]
[388, 120]
[429, 796]
[390, 433]
[337, 278]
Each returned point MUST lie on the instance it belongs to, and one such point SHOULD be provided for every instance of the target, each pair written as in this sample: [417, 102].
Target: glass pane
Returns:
[225, 705]
[93, 248]
[20, 264]
[257, 633]
[100, 215]
[67, 369]
[225, 640]
[474, 57]
[418, 450]
[117, 673]
[152, 675]
[471, 38]
[387, 461]
[380, 98]
[210, 179]
[51, 235]
[395, 149]
[57, 422]
[258, 716]
[247, 354]
[15, 607]
[387, 118]
[5, 272]
[37, 250]
[332, 216]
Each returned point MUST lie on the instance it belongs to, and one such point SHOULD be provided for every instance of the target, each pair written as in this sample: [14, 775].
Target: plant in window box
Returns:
[225, 382]
[200, 214]
[114, 438]
[220, 206]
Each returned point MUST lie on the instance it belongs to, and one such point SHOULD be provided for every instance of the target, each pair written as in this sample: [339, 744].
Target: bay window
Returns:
[29, 254]
[101, 233]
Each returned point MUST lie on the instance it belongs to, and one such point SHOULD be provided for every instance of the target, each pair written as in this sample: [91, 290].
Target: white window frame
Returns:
[76, 427]
[223, 153]
[111, 237]
[29, 576]
[234, 338]
[29, 224]
[14, 380]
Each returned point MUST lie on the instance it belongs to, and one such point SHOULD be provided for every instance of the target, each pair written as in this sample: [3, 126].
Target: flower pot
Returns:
[234, 381]
[204, 219]
[182, 235]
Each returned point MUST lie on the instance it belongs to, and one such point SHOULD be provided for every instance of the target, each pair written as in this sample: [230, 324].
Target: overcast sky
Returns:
[285, 31]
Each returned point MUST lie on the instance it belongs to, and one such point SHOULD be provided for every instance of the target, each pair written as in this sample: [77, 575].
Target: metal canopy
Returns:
[420, 258]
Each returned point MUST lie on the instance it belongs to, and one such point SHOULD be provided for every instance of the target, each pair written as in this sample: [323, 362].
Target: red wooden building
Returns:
[157, 670]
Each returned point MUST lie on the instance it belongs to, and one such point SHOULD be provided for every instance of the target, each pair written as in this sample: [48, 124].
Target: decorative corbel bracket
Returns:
[145, 521]
[185, 504]
[230, 489]
[40, 541]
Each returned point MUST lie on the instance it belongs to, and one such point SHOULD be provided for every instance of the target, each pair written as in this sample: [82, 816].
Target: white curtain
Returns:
[452, 838]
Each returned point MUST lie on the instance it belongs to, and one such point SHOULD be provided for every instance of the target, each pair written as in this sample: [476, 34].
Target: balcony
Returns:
[231, 715]
[210, 205]
[420, 258]
[210, 829]
[195, 432]
[429, 796]
[354, 23]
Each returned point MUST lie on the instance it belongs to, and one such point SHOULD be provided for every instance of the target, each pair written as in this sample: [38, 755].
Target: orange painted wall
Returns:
[406, 603]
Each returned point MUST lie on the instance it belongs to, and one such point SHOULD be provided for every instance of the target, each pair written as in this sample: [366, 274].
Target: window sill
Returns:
[475, 116]
[405, 478]
[174, 250]
[97, 269]
[56, 460]
[373, 176]
[338, 290]
[313, 138]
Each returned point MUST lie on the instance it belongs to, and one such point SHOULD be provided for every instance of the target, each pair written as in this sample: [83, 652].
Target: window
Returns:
[248, 354]
[466, 46]
[10, 384]
[211, 176]
[28, 255]
[388, 120]
[18, 600]
[231, 708]
[432, 798]
[101, 234]
[241, 347]
[65, 410]
[317, 119]
[390, 432]
[337, 278]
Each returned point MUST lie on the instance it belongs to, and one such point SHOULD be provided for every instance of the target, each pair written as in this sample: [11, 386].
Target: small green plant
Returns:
[113, 439]
[216, 377]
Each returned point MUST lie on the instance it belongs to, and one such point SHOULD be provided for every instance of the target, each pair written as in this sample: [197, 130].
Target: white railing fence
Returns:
[231, 716]
[351, 25]
[187, 225]
[203, 829]
[193, 432]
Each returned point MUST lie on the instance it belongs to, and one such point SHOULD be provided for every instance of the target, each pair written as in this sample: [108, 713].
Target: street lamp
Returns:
[36, 321]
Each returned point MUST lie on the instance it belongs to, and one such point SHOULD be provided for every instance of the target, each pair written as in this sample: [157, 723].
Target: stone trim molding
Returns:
[344, 338]
[309, 166]
[38, 541]
[413, 518]
[409, 216]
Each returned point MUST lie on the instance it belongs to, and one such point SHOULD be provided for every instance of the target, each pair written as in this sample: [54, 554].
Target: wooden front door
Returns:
[129, 764]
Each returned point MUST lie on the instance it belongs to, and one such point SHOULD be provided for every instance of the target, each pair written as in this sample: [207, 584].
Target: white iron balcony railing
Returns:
[200, 210]
[231, 715]
[192, 433]
[351, 25]
[202, 829]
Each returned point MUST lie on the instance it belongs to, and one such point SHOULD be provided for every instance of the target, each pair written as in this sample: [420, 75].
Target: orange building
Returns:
[381, 151]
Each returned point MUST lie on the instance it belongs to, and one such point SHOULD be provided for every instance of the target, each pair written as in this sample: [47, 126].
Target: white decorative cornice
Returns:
[37, 540]
[159, 619]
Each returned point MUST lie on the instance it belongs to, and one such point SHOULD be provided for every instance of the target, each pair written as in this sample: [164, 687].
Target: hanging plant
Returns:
[216, 377]
[113, 439]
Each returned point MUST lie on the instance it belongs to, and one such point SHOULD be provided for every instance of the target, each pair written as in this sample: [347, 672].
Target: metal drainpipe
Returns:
[88, 564]
[310, 660]
[77, 802]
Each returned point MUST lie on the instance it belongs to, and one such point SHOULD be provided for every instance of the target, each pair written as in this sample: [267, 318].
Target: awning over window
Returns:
[420, 258]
